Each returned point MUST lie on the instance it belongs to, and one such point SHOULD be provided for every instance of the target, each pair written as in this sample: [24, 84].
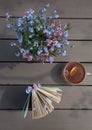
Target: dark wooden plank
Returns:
[65, 120]
[71, 8]
[75, 97]
[82, 52]
[7, 53]
[23, 73]
[81, 29]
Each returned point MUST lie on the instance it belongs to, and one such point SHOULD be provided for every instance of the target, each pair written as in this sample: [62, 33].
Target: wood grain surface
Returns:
[64, 119]
[75, 110]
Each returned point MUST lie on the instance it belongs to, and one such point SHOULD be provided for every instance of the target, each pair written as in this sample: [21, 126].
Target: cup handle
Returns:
[88, 74]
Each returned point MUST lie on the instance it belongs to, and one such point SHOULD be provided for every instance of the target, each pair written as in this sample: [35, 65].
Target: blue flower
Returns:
[13, 44]
[30, 36]
[42, 11]
[72, 46]
[20, 37]
[38, 28]
[39, 52]
[9, 25]
[65, 34]
[31, 11]
[64, 53]
[8, 15]
[19, 21]
[43, 17]
[29, 42]
[31, 30]
[35, 43]
[27, 51]
[17, 54]
[45, 49]
[22, 50]
[58, 45]
[54, 12]
[50, 17]
[31, 48]
[66, 42]
[56, 16]
[31, 22]
[51, 59]
[29, 89]
[47, 5]
[39, 85]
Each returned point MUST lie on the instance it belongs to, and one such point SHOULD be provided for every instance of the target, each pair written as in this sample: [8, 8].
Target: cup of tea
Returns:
[74, 72]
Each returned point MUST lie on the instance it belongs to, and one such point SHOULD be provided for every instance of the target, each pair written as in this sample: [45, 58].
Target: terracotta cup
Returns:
[74, 72]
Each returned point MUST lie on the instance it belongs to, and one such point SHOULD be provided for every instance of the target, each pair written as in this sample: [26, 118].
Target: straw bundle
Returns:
[42, 98]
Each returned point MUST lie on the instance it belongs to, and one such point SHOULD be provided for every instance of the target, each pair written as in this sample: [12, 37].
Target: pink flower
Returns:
[45, 31]
[49, 41]
[25, 55]
[53, 24]
[35, 86]
[30, 58]
[55, 42]
[52, 49]
[51, 59]
[65, 26]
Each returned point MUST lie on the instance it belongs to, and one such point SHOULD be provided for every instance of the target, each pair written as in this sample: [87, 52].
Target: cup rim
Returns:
[75, 63]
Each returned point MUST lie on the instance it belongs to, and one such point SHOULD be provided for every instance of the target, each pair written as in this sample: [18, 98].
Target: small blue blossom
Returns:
[22, 50]
[38, 28]
[39, 85]
[29, 42]
[13, 44]
[64, 53]
[58, 45]
[39, 52]
[56, 16]
[31, 30]
[54, 12]
[72, 46]
[27, 51]
[42, 10]
[33, 91]
[31, 22]
[47, 5]
[50, 17]
[29, 89]
[31, 11]
[19, 21]
[31, 35]
[66, 42]
[20, 37]
[65, 34]
[35, 44]
[31, 48]
[9, 25]
[62, 45]
[51, 59]
[17, 54]
[8, 15]
[45, 49]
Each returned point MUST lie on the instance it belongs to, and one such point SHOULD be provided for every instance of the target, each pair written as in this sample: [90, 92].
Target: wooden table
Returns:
[75, 110]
